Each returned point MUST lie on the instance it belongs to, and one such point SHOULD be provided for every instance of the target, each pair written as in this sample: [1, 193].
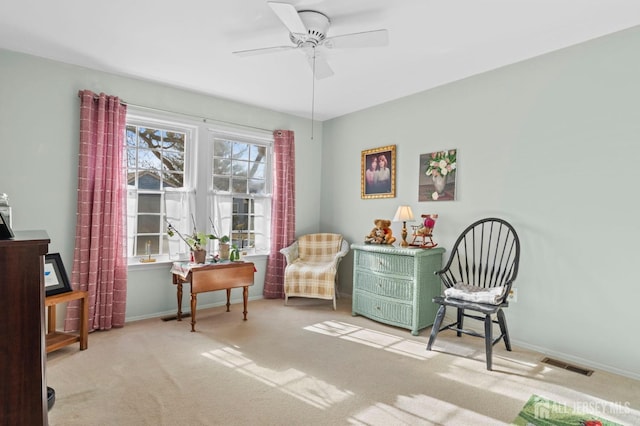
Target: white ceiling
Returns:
[188, 43]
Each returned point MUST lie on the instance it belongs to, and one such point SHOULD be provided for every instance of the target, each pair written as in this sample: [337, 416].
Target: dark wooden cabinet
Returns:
[23, 388]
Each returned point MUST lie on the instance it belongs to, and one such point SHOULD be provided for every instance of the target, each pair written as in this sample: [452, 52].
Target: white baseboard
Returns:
[188, 307]
[477, 327]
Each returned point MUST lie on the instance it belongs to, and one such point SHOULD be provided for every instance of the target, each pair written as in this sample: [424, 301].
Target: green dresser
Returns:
[396, 285]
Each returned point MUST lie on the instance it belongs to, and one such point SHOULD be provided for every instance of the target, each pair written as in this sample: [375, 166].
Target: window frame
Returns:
[198, 171]
[252, 137]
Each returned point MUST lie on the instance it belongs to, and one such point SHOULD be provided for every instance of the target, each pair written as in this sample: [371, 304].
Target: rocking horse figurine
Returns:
[425, 231]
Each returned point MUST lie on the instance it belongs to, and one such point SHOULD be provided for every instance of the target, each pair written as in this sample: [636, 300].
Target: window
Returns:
[239, 168]
[240, 179]
[155, 162]
[194, 175]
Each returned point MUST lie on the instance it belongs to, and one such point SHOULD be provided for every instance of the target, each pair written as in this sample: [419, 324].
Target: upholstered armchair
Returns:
[312, 266]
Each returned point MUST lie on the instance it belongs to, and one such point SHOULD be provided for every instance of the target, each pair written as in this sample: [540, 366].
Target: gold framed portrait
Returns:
[378, 172]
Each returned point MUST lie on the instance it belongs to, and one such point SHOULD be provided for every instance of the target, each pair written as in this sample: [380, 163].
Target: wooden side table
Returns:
[57, 339]
[212, 277]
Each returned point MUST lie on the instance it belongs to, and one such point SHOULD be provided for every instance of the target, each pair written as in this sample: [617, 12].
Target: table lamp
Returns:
[404, 214]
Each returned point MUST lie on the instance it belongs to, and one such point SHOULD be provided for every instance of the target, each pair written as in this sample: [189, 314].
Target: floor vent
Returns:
[566, 366]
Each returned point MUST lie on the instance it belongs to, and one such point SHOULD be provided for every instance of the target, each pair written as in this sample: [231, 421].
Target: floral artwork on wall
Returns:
[437, 180]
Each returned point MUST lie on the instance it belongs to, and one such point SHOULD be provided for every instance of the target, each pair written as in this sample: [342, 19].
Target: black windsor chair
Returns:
[478, 277]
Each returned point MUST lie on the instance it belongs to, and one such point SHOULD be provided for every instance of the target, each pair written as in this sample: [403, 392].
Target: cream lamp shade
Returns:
[404, 214]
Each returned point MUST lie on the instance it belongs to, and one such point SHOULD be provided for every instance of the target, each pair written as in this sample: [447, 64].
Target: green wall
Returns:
[551, 145]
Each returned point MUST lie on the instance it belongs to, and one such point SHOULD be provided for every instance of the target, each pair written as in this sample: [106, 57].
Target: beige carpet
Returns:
[305, 364]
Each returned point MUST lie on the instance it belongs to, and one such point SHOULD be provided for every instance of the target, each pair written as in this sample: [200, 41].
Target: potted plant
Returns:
[196, 242]
[223, 243]
[234, 253]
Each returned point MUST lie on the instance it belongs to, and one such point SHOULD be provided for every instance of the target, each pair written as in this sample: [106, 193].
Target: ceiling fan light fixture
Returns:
[317, 25]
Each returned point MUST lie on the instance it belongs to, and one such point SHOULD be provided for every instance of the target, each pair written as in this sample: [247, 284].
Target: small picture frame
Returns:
[5, 230]
[56, 280]
[378, 172]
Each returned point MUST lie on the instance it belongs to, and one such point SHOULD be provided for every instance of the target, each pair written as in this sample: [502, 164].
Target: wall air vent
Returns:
[567, 366]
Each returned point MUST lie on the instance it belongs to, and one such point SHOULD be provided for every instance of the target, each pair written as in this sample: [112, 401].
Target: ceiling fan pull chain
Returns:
[313, 89]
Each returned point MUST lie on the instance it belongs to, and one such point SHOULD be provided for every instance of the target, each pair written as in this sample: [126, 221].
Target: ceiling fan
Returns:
[308, 31]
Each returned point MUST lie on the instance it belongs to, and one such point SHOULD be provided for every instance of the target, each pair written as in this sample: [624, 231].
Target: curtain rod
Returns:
[204, 119]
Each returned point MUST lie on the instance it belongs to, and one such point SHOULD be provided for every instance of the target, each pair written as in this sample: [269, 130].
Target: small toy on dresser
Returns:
[381, 233]
[425, 231]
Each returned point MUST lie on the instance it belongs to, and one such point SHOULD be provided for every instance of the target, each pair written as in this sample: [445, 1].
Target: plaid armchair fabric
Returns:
[312, 265]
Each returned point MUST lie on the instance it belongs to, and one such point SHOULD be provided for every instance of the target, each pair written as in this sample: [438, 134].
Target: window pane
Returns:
[240, 151]
[240, 168]
[148, 224]
[149, 203]
[148, 138]
[240, 205]
[221, 166]
[173, 180]
[141, 244]
[240, 222]
[258, 153]
[148, 180]
[173, 161]
[149, 159]
[221, 183]
[173, 141]
[131, 135]
[257, 170]
[256, 186]
[222, 148]
[239, 186]
[132, 158]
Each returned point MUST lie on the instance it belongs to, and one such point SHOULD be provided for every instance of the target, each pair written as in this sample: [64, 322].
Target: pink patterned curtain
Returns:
[283, 212]
[99, 260]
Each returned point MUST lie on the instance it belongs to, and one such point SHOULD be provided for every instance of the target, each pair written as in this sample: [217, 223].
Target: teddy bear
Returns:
[381, 234]
[376, 236]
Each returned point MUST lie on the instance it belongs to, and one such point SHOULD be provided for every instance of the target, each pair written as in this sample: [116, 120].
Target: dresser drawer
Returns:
[384, 285]
[381, 262]
[396, 285]
[388, 311]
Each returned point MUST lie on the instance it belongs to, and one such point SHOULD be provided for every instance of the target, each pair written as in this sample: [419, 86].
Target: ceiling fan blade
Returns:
[289, 17]
[262, 50]
[321, 68]
[375, 38]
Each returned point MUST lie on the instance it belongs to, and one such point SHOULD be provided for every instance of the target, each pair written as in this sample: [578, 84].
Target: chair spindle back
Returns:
[486, 255]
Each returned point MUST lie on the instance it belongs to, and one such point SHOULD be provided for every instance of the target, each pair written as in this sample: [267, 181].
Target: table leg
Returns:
[245, 297]
[228, 299]
[179, 301]
[194, 302]
[84, 320]
[51, 319]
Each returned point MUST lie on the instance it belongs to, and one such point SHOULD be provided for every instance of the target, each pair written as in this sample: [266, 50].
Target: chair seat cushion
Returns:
[472, 293]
